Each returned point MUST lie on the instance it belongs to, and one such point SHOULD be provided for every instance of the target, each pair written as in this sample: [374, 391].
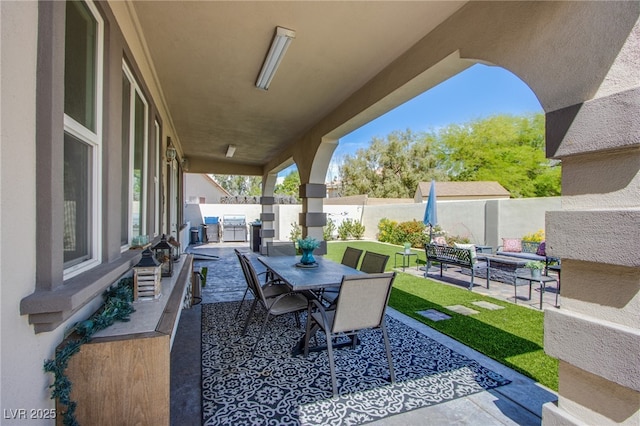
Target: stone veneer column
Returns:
[268, 216]
[596, 332]
[312, 218]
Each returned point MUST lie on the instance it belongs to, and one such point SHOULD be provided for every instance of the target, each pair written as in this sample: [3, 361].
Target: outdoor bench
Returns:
[530, 251]
[445, 255]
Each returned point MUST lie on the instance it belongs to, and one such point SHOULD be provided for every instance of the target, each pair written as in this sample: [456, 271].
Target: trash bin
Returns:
[203, 233]
[194, 235]
[254, 236]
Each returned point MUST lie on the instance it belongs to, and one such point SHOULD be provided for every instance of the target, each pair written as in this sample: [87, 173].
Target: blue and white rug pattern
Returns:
[276, 388]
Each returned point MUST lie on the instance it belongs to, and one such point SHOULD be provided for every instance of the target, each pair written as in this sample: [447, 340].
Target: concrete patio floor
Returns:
[519, 403]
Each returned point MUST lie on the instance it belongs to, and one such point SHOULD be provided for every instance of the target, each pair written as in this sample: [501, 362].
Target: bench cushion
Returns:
[528, 256]
[471, 247]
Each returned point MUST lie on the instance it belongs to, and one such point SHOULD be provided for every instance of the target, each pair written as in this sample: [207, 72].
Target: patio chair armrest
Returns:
[323, 313]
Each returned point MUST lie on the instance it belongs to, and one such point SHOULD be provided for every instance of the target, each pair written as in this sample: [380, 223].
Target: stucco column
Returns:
[596, 332]
[313, 171]
[267, 217]
[312, 218]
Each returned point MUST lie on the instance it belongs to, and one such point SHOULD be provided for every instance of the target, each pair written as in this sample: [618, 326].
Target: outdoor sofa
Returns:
[522, 249]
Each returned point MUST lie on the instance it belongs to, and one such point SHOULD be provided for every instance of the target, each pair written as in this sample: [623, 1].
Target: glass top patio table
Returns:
[327, 274]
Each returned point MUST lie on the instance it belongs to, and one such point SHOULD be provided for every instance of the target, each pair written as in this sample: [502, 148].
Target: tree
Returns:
[391, 167]
[240, 185]
[503, 148]
[290, 185]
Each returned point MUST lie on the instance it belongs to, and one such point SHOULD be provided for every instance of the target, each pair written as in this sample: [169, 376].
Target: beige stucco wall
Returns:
[596, 335]
[198, 185]
[513, 218]
[24, 383]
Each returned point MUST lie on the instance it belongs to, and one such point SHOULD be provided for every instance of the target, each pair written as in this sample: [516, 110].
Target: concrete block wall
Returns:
[482, 221]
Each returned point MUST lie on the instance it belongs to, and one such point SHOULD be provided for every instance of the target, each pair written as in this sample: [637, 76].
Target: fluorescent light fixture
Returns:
[231, 149]
[279, 46]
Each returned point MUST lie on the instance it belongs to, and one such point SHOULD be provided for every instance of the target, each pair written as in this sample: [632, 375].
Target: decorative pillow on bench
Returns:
[513, 245]
[441, 241]
[471, 247]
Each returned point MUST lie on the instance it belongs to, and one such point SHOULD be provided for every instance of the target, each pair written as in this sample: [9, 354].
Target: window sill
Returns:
[49, 309]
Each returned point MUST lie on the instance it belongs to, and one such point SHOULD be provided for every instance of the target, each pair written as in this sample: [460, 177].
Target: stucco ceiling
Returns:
[207, 56]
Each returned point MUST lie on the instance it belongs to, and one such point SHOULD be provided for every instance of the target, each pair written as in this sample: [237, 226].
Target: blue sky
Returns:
[478, 92]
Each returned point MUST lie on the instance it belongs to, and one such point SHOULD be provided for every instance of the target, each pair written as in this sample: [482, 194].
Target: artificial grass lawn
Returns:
[512, 336]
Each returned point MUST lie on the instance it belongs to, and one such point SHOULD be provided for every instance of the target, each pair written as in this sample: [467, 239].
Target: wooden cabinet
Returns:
[122, 377]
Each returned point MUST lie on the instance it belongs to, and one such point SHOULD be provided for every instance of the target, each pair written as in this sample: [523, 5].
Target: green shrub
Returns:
[296, 232]
[328, 230]
[357, 230]
[345, 229]
[387, 230]
[412, 232]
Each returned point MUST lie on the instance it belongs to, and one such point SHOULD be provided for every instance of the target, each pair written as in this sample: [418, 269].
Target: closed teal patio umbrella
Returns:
[431, 213]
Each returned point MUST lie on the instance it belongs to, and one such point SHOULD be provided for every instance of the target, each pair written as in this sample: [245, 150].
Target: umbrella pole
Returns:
[428, 266]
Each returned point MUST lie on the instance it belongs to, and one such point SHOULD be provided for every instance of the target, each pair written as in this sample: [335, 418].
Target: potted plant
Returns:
[407, 248]
[536, 268]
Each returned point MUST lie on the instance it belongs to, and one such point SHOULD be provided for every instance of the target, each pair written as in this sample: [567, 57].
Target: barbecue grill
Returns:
[234, 228]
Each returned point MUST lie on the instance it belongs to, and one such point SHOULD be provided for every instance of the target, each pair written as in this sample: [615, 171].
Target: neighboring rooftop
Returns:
[365, 200]
[481, 190]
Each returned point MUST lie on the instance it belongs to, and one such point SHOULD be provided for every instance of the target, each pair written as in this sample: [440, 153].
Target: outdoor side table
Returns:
[542, 279]
[406, 258]
[558, 269]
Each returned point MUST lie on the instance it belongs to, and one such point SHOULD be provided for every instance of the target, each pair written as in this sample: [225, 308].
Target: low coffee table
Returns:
[504, 263]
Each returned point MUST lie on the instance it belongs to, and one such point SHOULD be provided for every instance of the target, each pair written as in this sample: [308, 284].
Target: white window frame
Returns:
[156, 179]
[173, 202]
[145, 157]
[94, 140]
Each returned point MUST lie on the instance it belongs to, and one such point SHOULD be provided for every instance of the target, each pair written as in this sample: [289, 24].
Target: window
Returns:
[134, 161]
[156, 180]
[173, 198]
[82, 137]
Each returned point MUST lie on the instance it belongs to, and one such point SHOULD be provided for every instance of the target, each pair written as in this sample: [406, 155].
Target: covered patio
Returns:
[107, 104]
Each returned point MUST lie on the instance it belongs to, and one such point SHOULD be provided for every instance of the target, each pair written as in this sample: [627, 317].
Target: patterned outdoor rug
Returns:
[277, 388]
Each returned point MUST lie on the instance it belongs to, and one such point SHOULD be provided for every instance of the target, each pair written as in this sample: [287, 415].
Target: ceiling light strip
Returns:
[279, 46]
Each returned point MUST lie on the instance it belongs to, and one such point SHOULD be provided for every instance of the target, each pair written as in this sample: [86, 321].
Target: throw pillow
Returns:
[471, 247]
[513, 245]
[441, 241]
[541, 249]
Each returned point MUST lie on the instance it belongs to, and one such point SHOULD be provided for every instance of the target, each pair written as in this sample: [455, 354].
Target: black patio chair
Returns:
[281, 248]
[374, 263]
[351, 257]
